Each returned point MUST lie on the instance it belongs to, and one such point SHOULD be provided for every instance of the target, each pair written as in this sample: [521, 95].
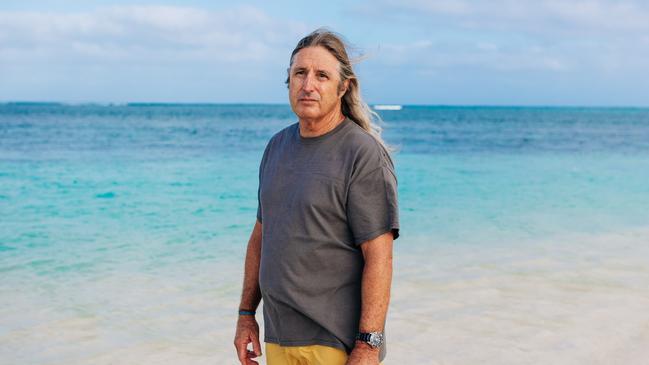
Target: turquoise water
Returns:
[100, 203]
[73, 177]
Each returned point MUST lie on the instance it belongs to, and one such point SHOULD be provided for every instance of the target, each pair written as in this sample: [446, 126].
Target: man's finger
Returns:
[251, 355]
[241, 351]
[256, 346]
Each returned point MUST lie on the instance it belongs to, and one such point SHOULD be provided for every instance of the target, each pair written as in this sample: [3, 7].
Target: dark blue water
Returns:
[41, 131]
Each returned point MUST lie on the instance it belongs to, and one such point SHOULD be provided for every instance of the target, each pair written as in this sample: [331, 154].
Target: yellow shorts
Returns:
[300, 355]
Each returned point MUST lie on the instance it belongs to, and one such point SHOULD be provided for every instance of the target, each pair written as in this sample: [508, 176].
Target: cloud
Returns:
[428, 55]
[146, 53]
[572, 51]
[539, 17]
[539, 36]
[147, 34]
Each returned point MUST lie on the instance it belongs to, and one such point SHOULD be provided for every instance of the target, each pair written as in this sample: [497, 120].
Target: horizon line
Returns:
[180, 103]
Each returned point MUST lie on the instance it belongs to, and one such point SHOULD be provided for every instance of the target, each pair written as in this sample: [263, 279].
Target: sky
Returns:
[445, 52]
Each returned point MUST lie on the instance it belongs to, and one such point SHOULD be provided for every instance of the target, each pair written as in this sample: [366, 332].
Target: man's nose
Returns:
[309, 82]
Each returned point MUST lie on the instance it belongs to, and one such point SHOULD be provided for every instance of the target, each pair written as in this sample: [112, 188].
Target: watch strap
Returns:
[365, 337]
[374, 339]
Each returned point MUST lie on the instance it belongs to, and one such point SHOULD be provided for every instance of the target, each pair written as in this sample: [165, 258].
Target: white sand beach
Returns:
[575, 300]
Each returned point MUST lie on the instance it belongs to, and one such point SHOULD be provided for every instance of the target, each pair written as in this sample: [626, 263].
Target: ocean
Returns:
[524, 232]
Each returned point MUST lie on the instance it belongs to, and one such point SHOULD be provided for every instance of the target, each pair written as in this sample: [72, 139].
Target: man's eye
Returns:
[299, 72]
[324, 76]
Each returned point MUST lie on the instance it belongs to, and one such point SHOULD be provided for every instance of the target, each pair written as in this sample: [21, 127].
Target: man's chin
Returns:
[309, 112]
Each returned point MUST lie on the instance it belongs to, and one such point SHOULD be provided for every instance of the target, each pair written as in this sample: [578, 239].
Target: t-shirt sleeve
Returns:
[261, 173]
[372, 205]
[259, 205]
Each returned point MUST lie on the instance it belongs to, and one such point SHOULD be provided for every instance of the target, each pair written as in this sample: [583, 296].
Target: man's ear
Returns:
[344, 88]
[288, 76]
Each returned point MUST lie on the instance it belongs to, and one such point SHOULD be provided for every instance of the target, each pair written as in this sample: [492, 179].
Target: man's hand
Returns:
[247, 332]
[363, 354]
[247, 327]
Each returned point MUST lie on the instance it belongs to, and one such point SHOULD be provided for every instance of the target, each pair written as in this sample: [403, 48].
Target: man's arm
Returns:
[375, 294]
[247, 327]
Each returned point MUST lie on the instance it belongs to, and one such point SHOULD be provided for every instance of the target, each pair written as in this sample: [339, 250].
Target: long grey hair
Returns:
[353, 106]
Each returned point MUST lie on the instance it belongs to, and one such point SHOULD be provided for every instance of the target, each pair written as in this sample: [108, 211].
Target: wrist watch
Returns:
[374, 339]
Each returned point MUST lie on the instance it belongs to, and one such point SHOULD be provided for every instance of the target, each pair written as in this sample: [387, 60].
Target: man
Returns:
[320, 253]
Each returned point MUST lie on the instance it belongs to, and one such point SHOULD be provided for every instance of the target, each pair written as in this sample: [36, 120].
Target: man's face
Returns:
[313, 83]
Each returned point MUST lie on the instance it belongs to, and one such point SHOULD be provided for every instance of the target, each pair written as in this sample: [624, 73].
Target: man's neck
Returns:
[310, 128]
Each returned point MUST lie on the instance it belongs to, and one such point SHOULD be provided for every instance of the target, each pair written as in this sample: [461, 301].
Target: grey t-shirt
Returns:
[319, 199]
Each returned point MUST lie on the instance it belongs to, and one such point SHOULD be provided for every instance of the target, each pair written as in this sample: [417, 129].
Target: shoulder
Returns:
[275, 142]
[284, 133]
[366, 147]
[281, 136]
[366, 151]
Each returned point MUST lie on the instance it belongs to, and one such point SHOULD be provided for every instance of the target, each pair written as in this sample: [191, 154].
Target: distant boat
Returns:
[387, 107]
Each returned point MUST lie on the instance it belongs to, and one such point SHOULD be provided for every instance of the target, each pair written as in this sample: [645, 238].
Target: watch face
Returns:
[376, 339]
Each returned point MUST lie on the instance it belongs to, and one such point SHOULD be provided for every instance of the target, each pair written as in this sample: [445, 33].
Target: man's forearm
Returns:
[251, 295]
[375, 284]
